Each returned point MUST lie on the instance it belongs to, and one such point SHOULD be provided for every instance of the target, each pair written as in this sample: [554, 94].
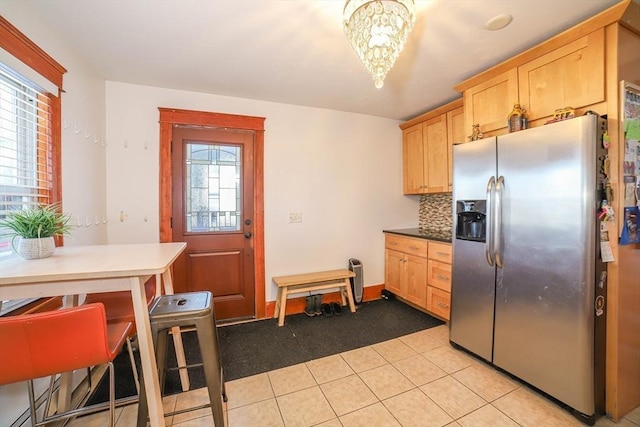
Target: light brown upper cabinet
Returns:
[434, 134]
[489, 102]
[426, 149]
[413, 166]
[455, 135]
[426, 158]
[570, 76]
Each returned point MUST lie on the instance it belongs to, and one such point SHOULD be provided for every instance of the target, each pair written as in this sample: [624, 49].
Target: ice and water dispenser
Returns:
[471, 220]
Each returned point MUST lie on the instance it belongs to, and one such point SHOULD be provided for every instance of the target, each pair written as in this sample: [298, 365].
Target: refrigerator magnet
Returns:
[630, 233]
[606, 212]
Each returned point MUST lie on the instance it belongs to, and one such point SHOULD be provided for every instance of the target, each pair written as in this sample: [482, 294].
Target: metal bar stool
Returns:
[183, 310]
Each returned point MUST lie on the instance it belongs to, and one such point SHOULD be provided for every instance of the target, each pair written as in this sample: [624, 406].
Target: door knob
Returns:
[248, 235]
[247, 222]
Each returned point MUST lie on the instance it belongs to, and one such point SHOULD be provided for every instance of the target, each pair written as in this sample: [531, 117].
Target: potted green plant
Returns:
[36, 226]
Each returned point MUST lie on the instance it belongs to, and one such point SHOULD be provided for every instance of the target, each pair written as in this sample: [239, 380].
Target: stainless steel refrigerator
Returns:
[528, 284]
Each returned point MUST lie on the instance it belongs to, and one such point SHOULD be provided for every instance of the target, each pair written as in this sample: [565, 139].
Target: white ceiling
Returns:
[295, 51]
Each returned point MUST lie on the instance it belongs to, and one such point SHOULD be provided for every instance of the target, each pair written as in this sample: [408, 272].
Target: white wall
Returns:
[343, 171]
[83, 161]
[83, 115]
[84, 156]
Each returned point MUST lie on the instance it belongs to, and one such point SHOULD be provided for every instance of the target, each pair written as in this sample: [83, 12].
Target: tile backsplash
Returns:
[435, 212]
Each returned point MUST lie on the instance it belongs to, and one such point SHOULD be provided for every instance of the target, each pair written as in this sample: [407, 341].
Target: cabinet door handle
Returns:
[414, 248]
[439, 304]
[441, 277]
[442, 253]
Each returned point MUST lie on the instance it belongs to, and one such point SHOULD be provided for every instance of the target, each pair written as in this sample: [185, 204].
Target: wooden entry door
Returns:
[212, 211]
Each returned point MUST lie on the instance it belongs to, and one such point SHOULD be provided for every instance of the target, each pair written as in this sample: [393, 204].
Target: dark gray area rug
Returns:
[255, 347]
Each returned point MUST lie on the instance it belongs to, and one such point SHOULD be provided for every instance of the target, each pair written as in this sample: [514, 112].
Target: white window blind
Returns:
[25, 146]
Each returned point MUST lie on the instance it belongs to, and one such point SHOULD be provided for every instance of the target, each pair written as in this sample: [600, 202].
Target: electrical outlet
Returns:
[295, 217]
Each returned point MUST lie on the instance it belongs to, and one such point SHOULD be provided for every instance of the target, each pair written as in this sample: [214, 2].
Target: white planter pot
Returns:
[36, 248]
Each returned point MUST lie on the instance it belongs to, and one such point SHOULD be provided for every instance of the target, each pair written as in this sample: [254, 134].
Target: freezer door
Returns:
[544, 317]
[473, 279]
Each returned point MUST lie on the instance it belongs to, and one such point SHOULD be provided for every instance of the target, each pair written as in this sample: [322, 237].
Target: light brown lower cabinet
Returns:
[393, 272]
[415, 276]
[406, 268]
[419, 272]
[438, 302]
[439, 279]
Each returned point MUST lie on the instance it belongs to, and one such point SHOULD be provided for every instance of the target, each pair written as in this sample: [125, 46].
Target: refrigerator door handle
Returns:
[497, 235]
[489, 249]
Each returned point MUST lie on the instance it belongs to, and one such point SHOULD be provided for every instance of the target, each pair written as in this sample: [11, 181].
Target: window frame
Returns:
[22, 48]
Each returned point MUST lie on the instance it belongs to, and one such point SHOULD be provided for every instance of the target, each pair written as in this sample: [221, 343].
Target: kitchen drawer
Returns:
[440, 252]
[418, 247]
[439, 275]
[438, 302]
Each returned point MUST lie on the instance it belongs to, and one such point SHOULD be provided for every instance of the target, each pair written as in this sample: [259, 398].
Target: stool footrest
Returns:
[182, 411]
[177, 368]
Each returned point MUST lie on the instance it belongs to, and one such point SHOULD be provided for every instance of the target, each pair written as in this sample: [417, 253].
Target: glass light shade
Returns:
[377, 30]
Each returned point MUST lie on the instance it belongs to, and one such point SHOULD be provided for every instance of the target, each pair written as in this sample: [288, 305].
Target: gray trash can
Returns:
[356, 281]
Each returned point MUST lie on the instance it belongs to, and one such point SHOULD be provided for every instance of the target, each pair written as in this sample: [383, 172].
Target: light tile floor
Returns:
[415, 380]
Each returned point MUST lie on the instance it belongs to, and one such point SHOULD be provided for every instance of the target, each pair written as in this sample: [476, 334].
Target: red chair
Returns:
[118, 305]
[45, 344]
[119, 308]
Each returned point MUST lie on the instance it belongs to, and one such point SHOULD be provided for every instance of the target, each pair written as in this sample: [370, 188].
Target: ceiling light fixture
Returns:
[498, 22]
[377, 30]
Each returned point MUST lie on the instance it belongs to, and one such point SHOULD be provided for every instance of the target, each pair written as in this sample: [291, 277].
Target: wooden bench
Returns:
[310, 282]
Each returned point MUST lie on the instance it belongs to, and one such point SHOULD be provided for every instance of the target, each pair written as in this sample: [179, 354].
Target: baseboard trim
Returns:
[298, 304]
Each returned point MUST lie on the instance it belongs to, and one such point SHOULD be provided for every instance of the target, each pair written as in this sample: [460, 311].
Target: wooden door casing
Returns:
[170, 117]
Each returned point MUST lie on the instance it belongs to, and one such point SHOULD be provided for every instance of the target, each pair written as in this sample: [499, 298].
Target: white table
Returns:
[74, 270]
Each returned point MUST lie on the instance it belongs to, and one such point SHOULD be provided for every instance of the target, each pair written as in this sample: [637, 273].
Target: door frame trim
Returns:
[170, 117]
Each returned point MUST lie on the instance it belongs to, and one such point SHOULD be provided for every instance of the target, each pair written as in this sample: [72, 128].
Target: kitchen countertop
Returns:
[437, 235]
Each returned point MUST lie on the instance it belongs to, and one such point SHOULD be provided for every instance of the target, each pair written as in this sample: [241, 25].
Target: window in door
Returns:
[213, 183]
